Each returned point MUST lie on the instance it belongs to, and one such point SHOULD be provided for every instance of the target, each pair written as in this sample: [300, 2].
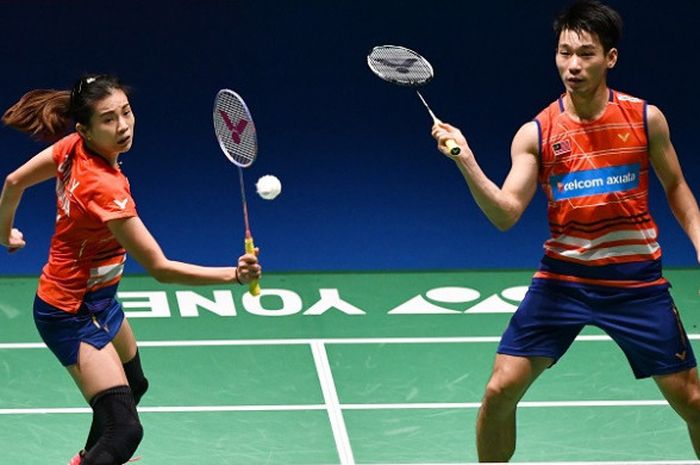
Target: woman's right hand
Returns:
[14, 242]
[442, 132]
[248, 268]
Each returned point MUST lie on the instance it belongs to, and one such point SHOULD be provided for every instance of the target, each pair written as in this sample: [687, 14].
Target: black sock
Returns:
[134, 374]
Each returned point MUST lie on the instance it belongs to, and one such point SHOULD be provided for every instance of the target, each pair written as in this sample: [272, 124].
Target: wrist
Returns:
[236, 275]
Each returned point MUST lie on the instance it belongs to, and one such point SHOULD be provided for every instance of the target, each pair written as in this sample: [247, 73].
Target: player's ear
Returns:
[611, 58]
[82, 130]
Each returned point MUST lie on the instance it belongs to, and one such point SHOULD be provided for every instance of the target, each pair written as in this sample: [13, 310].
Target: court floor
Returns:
[337, 368]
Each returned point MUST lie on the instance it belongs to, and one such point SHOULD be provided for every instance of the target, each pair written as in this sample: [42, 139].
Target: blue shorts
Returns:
[644, 322]
[96, 323]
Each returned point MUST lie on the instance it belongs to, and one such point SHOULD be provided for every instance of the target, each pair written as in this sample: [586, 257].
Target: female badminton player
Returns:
[96, 225]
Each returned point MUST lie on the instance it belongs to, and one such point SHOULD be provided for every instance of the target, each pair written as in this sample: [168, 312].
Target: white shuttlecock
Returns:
[268, 187]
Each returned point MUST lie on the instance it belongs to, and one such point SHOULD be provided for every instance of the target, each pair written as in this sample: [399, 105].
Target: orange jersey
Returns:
[596, 176]
[84, 255]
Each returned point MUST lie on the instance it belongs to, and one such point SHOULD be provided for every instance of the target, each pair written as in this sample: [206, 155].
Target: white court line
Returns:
[330, 396]
[335, 408]
[654, 462]
[278, 342]
[169, 409]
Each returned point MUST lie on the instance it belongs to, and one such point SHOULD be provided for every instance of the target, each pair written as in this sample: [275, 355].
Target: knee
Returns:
[121, 441]
[116, 446]
[122, 432]
[689, 408]
[682, 391]
[128, 437]
[501, 394]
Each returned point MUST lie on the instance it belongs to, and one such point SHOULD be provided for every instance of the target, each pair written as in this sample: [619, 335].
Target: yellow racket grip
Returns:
[454, 148]
[253, 286]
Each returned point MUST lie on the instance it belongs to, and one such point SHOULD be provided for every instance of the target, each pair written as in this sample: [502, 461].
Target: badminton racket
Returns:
[235, 132]
[403, 66]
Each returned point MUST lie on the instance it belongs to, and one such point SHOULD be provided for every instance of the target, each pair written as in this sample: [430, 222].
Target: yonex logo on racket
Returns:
[404, 67]
[236, 129]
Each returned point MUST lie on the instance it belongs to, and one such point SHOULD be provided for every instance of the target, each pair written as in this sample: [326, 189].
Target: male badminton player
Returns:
[590, 150]
[97, 224]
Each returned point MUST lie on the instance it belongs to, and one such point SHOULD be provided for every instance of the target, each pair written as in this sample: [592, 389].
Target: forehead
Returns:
[116, 100]
[581, 38]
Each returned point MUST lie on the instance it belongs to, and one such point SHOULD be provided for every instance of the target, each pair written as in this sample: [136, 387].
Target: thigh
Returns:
[97, 370]
[125, 342]
[681, 390]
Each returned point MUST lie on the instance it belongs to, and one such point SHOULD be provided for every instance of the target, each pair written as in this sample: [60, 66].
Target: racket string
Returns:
[235, 130]
[400, 65]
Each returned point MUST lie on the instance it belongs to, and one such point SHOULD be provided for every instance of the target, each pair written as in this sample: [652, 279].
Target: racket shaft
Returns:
[253, 286]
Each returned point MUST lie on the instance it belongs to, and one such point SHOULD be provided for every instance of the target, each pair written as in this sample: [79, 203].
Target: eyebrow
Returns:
[113, 111]
[584, 46]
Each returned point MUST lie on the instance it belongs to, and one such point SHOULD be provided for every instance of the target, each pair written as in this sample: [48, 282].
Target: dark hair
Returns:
[47, 114]
[593, 17]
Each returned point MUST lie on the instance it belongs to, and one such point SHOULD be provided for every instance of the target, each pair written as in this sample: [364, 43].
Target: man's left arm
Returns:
[668, 169]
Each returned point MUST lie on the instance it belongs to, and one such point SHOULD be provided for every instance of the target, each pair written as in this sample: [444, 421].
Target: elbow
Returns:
[504, 222]
[161, 272]
[503, 227]
[12, 181]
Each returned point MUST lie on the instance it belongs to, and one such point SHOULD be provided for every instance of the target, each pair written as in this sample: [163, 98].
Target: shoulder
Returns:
[628, 102]
[654, 115]
[656, 123]
[527, 138]
[65, 146]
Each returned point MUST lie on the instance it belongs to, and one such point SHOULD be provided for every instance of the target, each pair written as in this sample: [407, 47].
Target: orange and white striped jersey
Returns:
[596, 176]
[84, 256]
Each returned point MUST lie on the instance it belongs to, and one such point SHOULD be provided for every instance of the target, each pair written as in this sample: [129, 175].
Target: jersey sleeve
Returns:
[111, 199]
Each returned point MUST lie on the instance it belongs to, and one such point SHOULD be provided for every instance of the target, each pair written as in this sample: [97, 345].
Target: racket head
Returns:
[400, 65]
[234, 128]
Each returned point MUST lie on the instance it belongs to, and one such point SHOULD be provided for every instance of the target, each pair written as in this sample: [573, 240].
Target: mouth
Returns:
[574, 81]
[124, 140]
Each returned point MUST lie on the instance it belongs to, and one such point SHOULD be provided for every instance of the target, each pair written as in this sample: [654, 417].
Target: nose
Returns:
[123, 124]
[575, 65]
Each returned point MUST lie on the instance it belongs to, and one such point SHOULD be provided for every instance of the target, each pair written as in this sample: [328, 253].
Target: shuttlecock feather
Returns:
[268, 187]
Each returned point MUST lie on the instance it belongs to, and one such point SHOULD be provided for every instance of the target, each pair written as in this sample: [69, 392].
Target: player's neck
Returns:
[111, 160]
[587, 106]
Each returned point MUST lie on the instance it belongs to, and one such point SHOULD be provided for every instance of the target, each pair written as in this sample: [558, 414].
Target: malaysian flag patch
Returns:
[563, 147]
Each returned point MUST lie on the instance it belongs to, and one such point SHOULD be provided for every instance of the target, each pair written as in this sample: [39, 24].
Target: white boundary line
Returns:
[335, 408]
[258, 342]
[653, 462]
[330, 396]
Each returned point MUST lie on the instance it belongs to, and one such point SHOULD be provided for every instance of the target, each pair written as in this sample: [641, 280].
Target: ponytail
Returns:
[48, 114]
[42, 113]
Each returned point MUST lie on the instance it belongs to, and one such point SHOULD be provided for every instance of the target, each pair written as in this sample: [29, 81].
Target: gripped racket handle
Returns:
[253, 286]
[454, 148]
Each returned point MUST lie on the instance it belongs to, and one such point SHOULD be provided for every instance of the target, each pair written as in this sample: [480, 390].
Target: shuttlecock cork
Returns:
[268, 187]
